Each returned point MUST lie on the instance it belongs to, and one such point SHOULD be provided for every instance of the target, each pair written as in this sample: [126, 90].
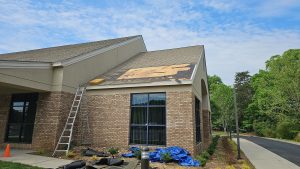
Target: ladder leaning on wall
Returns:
[63, 144]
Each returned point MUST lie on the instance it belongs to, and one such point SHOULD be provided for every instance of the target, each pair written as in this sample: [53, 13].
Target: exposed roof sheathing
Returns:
[155, 66]
[149, 72]
[55, 54]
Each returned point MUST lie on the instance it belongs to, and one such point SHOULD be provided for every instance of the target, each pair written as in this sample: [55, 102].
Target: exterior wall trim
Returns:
[168, 83]
[197, 65]
[71, 61]
[24, 64]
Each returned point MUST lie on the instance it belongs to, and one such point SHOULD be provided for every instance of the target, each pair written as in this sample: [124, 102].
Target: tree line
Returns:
[268, 103]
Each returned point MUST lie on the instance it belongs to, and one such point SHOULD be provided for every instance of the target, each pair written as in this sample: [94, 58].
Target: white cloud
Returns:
[271, 8]
[230, 47]
[221, 5]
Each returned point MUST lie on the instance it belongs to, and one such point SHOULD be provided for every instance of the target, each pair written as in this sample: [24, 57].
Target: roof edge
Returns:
[197, 65]
[79, 58]
[24, 64]
[134, 85]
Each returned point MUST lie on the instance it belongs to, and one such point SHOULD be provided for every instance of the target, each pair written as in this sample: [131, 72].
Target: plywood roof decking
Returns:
[149, 72]
[54, 54]
[155, 66]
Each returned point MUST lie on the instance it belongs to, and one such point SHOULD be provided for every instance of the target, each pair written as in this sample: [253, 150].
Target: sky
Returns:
[238, 35]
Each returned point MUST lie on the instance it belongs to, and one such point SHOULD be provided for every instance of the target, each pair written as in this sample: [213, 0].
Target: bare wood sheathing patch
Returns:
[96, 81]
[149, 72]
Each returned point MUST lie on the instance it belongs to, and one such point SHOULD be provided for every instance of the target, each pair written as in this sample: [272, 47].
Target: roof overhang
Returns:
[150, 84]
[79, 58]
[24, 64]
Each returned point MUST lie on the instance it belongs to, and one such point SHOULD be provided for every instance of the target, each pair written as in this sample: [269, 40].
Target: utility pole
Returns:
[237, 126]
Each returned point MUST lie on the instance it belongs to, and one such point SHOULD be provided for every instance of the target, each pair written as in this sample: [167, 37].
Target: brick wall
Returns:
[180, 120]
[52, 111]
[109, 117]
[206, 128]
[4, 112]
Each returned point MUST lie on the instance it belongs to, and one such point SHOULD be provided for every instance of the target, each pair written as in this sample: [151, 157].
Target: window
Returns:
[197, 120]
[148, 119]
[21, 118]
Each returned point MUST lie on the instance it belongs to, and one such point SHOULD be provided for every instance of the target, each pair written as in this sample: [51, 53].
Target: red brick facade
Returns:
[109, 119]
[52, 111]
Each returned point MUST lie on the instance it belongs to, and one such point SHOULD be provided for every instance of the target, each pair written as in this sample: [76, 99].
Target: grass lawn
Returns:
[10, 165]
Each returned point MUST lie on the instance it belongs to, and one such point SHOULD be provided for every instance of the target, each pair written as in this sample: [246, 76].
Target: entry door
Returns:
[21, 118]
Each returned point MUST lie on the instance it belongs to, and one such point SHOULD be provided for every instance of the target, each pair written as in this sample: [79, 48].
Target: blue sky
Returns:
[238, 35]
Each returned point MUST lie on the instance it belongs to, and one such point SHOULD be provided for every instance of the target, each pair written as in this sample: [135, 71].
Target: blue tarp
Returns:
[132, 151]
[177, 153]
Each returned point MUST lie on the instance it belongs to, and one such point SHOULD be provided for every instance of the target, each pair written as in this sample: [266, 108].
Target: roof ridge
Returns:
[68, 45]
[160, 50]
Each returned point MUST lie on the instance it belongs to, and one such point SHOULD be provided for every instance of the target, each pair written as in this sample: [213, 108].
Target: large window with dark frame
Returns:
[197, 120]
[148, 119]
[21, 118]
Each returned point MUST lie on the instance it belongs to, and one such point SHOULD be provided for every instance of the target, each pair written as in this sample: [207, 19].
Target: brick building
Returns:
[157, 98]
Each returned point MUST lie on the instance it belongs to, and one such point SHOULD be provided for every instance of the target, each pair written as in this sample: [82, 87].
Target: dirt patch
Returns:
[225, 157]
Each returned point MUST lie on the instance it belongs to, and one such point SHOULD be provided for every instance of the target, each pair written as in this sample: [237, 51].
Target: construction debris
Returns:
[90, 152]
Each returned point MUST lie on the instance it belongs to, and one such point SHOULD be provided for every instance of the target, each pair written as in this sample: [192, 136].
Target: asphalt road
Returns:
[290, 152]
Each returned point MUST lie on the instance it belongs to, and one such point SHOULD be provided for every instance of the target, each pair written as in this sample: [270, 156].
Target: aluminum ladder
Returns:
[63, 144]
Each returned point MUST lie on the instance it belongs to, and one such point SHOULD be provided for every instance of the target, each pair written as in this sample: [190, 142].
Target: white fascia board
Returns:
[197, 65]
[24, 64]
[151, 84]
[70, 61]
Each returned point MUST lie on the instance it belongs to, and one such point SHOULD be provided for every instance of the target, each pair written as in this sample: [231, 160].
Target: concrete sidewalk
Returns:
[22, 156]
[262, 158]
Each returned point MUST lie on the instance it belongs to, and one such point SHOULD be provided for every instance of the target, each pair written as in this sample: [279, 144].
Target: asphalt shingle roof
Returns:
[55, 54]
[181, 57]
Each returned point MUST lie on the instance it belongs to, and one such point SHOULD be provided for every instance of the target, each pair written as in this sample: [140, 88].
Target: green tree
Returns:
[276, 99]
[221, 101]
[244, 94]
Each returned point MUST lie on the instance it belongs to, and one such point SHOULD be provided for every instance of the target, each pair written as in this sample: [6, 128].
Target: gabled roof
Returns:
[61, 53]
[155, 66]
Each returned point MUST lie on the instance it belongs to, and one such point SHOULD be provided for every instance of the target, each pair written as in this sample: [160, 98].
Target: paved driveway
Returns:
[288, 151]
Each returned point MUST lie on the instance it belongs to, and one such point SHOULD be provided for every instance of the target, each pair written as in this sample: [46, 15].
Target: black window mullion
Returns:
[148, 128]
[147, 122]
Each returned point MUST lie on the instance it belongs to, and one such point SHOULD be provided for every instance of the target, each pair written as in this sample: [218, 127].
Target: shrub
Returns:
[166, 157]
[202, 160]
[138, 154]
[205, 155]
[267, 132]
[259, 127]
[286, 129]
[71, 154]
[213, 145]
[297, 138]
[113, 151]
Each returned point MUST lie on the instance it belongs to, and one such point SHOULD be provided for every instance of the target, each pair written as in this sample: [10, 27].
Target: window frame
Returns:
[31, 107]
[197, 112]
[147, 125]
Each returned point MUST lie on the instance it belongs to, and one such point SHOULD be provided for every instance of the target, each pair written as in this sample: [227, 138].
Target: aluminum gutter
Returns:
[24, 64]
[151, 84]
